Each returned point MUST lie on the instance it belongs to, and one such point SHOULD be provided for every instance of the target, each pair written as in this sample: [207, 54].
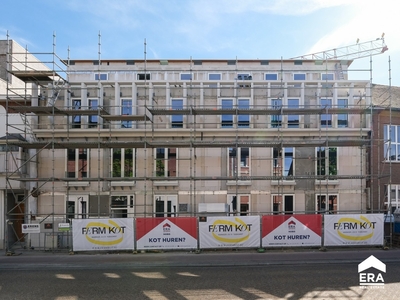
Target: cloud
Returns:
[367, 23]
[277, 7]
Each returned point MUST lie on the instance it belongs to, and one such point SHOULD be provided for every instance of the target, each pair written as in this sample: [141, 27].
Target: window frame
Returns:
[183, 75]
[293, 121]
[282, 202]
[76, 119]
[244, 76]
[125, 210]
[101, 76]
[326, 120]
[143, 76]
[215, 79]
[326, 161]
[276, 120]
[77, 163]
[93, 119]
[177, 120]
[234, 162]
[124, 157]
[342, 118]
[165, 162]
[244, 206]
[328, 76]
[274, 75]
[393, 201]
[80, 205]
[279, 170]
[226, 121]
[167, 211]
[302, 75]
[391, 136]
[327, 208]
[126, 110]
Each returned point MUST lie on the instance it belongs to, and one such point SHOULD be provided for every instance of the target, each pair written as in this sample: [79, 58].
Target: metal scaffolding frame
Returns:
[55, 81]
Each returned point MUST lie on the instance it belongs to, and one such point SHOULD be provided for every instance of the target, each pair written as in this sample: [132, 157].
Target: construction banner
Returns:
[354, 229]
[102, 234]
[291, 230]
[229, 232]
[166, 233]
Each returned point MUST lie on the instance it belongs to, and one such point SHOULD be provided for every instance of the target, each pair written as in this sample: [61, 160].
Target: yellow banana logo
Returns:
[105, 226]
[230, 225]
[363, 223]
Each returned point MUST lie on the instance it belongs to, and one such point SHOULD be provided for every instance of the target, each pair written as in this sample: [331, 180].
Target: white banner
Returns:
[168, 233]
[354, 229]
[291, 230]
[229, 232]
[102, 234]
[30, 228]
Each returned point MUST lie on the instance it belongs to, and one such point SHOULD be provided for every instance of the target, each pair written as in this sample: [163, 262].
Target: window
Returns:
[214, 76]
[244, 76]
[299, 76]
[76, 120]
[326, 207]
[392, 202]
[282, 204]
[293, 120]
[122, 206]
[186, 76]
[391, 135]
[276, 120]
[227, 120]
[243, 120]
[123, 162]
[327, 76]
[342, 118]
[238, 162]
[126, 110]
[271, 76]
[101, 76]
[165, 206]
[326, 161]
[77, 163]
[143, 76]
[166, 162]
[76, 207]
[241, 207]
[9, 148]
[93, 119]
[177, 120]
[326, 119]
[283, 161]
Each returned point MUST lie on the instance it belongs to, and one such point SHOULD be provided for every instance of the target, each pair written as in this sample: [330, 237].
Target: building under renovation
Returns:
[157, 138]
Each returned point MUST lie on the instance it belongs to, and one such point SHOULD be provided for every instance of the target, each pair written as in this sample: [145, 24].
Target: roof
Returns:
[13, 136]
[383, 95]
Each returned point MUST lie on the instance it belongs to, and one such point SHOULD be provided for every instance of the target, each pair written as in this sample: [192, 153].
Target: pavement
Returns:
[34, 259]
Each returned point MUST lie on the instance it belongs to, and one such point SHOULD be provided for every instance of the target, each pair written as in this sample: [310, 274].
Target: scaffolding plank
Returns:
[34, 75]
[125, 117]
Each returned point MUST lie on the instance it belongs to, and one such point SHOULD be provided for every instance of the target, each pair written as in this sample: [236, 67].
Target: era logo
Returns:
[371, 278]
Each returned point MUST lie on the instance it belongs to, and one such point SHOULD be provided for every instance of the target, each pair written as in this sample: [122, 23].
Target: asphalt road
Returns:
[290, 275]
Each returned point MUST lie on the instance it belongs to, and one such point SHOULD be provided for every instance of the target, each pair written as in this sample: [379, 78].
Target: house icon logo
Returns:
[166, 229]
[292, 226]
[371, 278]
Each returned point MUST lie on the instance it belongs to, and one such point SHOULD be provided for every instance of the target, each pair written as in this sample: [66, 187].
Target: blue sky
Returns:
[246, 29]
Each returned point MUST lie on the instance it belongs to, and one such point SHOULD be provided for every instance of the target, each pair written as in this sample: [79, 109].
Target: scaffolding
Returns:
[129, 138]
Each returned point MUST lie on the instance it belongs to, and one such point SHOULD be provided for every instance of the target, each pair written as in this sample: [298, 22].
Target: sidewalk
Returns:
[36, 259]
